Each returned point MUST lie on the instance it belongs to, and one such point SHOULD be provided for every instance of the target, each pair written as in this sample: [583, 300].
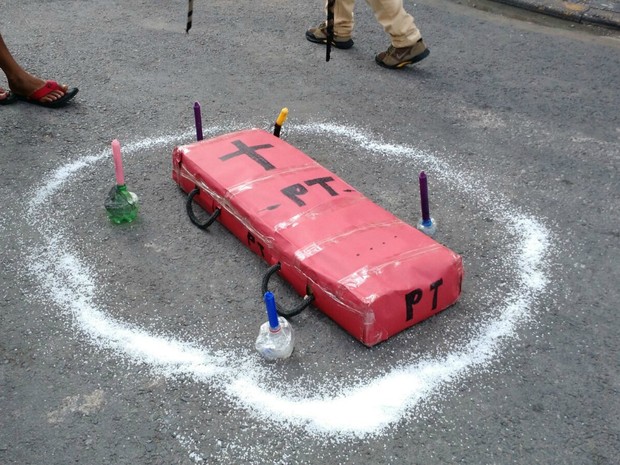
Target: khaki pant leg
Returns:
[395, 21]
[343, 17]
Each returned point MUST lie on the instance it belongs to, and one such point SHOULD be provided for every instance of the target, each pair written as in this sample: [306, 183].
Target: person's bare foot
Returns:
[24, 85]
[6, 97]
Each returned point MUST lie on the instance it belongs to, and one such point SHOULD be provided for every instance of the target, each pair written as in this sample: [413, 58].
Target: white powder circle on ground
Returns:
[366, 407]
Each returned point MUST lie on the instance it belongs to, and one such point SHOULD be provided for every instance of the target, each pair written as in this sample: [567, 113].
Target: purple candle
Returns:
[426, 216]
[198, 119]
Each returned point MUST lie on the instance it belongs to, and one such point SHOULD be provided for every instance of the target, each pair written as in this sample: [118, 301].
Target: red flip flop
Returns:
[50, 86]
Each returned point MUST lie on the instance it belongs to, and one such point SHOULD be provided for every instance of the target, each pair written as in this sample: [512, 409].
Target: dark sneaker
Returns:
[398, 57]
[318, 35]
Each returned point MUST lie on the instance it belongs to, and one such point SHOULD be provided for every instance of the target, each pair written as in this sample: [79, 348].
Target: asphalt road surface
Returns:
[135, 344]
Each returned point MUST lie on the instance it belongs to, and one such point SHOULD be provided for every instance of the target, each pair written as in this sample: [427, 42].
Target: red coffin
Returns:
[369, 271]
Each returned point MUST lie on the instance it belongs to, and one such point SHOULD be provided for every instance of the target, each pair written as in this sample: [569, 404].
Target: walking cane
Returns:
[330, 27]
[190, 11]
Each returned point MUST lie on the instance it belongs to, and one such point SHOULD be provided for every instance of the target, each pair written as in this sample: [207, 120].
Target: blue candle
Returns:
[272, 313]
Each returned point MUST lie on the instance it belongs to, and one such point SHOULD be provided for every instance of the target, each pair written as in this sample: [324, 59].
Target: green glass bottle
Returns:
[121, 205]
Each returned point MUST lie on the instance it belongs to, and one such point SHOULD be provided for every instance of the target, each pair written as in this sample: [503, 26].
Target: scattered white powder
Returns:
[367, 406]
[190, 446]
[64, 173]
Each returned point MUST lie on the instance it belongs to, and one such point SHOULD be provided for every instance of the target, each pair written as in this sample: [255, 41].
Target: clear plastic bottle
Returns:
[276, 338]
[428, 227]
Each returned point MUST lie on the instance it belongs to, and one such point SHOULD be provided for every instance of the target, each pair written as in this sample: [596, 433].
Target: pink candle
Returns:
[118, 162]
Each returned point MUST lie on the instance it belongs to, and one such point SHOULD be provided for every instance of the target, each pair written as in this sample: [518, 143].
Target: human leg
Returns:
[343, 17]
[24, 84]
[407, 46]
[396, 22]
[343, 26]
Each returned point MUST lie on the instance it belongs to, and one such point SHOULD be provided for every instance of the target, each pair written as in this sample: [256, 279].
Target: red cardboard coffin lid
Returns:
[368, 270]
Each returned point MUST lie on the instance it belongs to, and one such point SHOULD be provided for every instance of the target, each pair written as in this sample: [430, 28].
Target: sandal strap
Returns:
[49, 86]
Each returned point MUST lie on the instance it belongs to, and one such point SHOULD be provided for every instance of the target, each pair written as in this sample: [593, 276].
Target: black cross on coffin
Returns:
[250, 152]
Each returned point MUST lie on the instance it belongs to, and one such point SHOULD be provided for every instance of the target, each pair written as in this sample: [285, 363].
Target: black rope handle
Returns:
[192, 217]
[308, 299]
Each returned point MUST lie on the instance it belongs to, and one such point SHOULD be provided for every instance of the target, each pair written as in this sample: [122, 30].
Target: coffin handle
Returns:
[192, 217]
[305, 303]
